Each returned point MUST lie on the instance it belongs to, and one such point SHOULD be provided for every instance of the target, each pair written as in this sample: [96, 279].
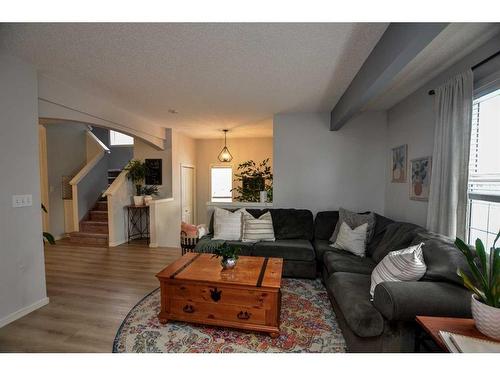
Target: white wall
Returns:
[207, 150]
[411, 122]
[66, 156]
[22, 273]
[318, 169]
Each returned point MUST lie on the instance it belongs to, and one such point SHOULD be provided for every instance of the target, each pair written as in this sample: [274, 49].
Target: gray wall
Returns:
[66, 156]
[22, 273]
[412, 122]
[120, 155]
[318, 169]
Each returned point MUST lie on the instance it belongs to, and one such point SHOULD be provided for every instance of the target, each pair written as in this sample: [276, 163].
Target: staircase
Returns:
[94, 227]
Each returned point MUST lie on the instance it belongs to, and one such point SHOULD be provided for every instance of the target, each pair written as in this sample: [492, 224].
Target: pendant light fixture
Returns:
[225, 156]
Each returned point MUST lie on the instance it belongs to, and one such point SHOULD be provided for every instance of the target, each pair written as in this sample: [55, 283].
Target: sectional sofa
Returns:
[386, 324]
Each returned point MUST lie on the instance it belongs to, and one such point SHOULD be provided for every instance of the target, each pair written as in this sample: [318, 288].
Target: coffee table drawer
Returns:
[222, 295]
[207, 311]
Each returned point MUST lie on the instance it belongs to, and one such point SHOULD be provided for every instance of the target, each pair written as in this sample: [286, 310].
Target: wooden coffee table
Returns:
[195, 289]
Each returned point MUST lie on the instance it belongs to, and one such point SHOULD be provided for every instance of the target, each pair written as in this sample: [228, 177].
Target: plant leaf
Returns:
[49, 237]
[469, 285]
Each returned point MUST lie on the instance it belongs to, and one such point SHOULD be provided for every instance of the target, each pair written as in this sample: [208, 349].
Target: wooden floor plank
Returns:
[91, 290]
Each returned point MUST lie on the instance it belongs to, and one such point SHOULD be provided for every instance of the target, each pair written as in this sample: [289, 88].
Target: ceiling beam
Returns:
[397, 47]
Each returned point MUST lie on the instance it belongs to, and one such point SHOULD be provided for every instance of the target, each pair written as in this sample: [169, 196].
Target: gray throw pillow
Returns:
[354, 220]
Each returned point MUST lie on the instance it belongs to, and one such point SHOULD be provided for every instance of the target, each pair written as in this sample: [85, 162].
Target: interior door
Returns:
[187, 191]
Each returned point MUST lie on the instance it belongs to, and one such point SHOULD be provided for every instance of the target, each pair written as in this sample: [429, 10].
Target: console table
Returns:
[137, 223]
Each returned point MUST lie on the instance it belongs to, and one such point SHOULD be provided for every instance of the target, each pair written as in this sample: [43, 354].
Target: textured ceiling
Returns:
[216, 76]
[455, 42]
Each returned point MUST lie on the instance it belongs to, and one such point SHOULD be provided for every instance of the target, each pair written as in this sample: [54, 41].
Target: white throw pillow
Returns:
[400, 265]
[352, 240]
[260, 229]
[227, 225]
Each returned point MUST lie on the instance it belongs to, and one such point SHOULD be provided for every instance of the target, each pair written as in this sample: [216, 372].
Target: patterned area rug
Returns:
[307, 325]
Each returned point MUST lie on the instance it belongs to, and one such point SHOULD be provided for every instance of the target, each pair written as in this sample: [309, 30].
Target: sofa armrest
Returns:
[405, 300]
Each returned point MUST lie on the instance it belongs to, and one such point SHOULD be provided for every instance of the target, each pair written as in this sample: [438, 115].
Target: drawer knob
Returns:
[244, 315]
[215, 294]
[188, 309]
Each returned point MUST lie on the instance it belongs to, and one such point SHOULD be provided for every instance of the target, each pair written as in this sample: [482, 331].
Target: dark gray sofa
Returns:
[293, 230]
[387, 324]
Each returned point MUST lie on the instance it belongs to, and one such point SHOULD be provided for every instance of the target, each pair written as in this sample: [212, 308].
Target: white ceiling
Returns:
[455, 42]
[216, 76]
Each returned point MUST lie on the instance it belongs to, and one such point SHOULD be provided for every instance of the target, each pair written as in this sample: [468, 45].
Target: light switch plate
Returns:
[22, 200]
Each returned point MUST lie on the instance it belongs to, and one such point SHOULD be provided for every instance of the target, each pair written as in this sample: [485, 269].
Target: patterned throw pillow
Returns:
[352, 240]
[260, 229]
[400, 265]
[227, 225]
[354, 220]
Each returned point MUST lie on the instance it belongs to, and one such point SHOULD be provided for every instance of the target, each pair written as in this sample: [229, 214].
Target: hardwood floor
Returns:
[91, 290]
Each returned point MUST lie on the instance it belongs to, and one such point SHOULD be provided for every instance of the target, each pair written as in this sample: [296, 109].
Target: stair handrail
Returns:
[102, 150]
[116, 184]
[88, 167]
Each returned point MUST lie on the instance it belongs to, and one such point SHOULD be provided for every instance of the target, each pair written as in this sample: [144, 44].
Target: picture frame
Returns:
[399, 164]
[420, 180]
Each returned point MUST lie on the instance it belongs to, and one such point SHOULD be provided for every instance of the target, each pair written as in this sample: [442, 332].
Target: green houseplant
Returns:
[484, 282]
[228, 253]
[46, 235]
[137, 173]
[148, 191]
[252, 178]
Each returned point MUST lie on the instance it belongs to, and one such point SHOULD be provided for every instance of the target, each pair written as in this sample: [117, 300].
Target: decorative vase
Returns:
[486, 318]
[263, 196]
[148, 199]
[138, 200]
[228, 263]
[396, 174]
[417, 188]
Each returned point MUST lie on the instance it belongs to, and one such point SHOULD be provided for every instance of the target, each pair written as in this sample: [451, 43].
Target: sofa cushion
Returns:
[337, 260]
[290, 223]
[286, 249]
[324, 224]
[354, 220]
[352, 293]
[381, 224]
[206, 245]
[441, 257]
[320, 248]
[397, 236]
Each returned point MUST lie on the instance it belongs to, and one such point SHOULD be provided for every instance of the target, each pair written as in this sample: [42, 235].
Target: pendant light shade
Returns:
[225, 156]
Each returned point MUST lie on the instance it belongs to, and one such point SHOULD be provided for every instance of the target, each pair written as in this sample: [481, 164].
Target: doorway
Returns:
[187, 194]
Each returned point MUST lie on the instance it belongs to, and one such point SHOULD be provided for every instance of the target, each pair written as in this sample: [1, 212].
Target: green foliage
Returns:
[136, 173]
[150, 190]
[224, 250]
[251, 179]
[485, 270]
[46, 235]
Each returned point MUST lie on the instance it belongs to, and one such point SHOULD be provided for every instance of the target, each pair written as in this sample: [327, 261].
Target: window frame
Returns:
[122, 144]
[218, 165]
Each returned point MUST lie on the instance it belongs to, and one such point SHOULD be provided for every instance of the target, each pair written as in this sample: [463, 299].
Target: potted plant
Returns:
[148, 191]
[484, 284]
[137, 173]
[228, 253]
[46, 235]
[252, 178]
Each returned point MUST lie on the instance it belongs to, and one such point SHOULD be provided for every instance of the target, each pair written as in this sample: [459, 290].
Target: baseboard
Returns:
[24, 311]
[116, 243]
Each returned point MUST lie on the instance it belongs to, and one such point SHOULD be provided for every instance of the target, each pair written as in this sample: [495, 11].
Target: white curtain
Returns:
[448, 193]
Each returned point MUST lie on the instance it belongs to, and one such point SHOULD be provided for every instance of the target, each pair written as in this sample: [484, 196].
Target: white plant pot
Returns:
[486, 318]
[138, 200]
[147, 199]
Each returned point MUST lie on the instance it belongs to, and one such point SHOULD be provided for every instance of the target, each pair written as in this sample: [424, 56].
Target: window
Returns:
[221, 184]
[484, 170]
[120, 139]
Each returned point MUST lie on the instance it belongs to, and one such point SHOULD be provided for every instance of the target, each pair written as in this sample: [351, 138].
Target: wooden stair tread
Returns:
[88, 234]
[94, 222]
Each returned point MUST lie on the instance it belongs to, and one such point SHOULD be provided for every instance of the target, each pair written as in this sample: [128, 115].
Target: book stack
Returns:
[465, 344]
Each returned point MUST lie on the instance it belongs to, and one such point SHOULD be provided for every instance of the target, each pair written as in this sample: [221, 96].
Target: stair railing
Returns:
[90, 181]
[119, 195]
